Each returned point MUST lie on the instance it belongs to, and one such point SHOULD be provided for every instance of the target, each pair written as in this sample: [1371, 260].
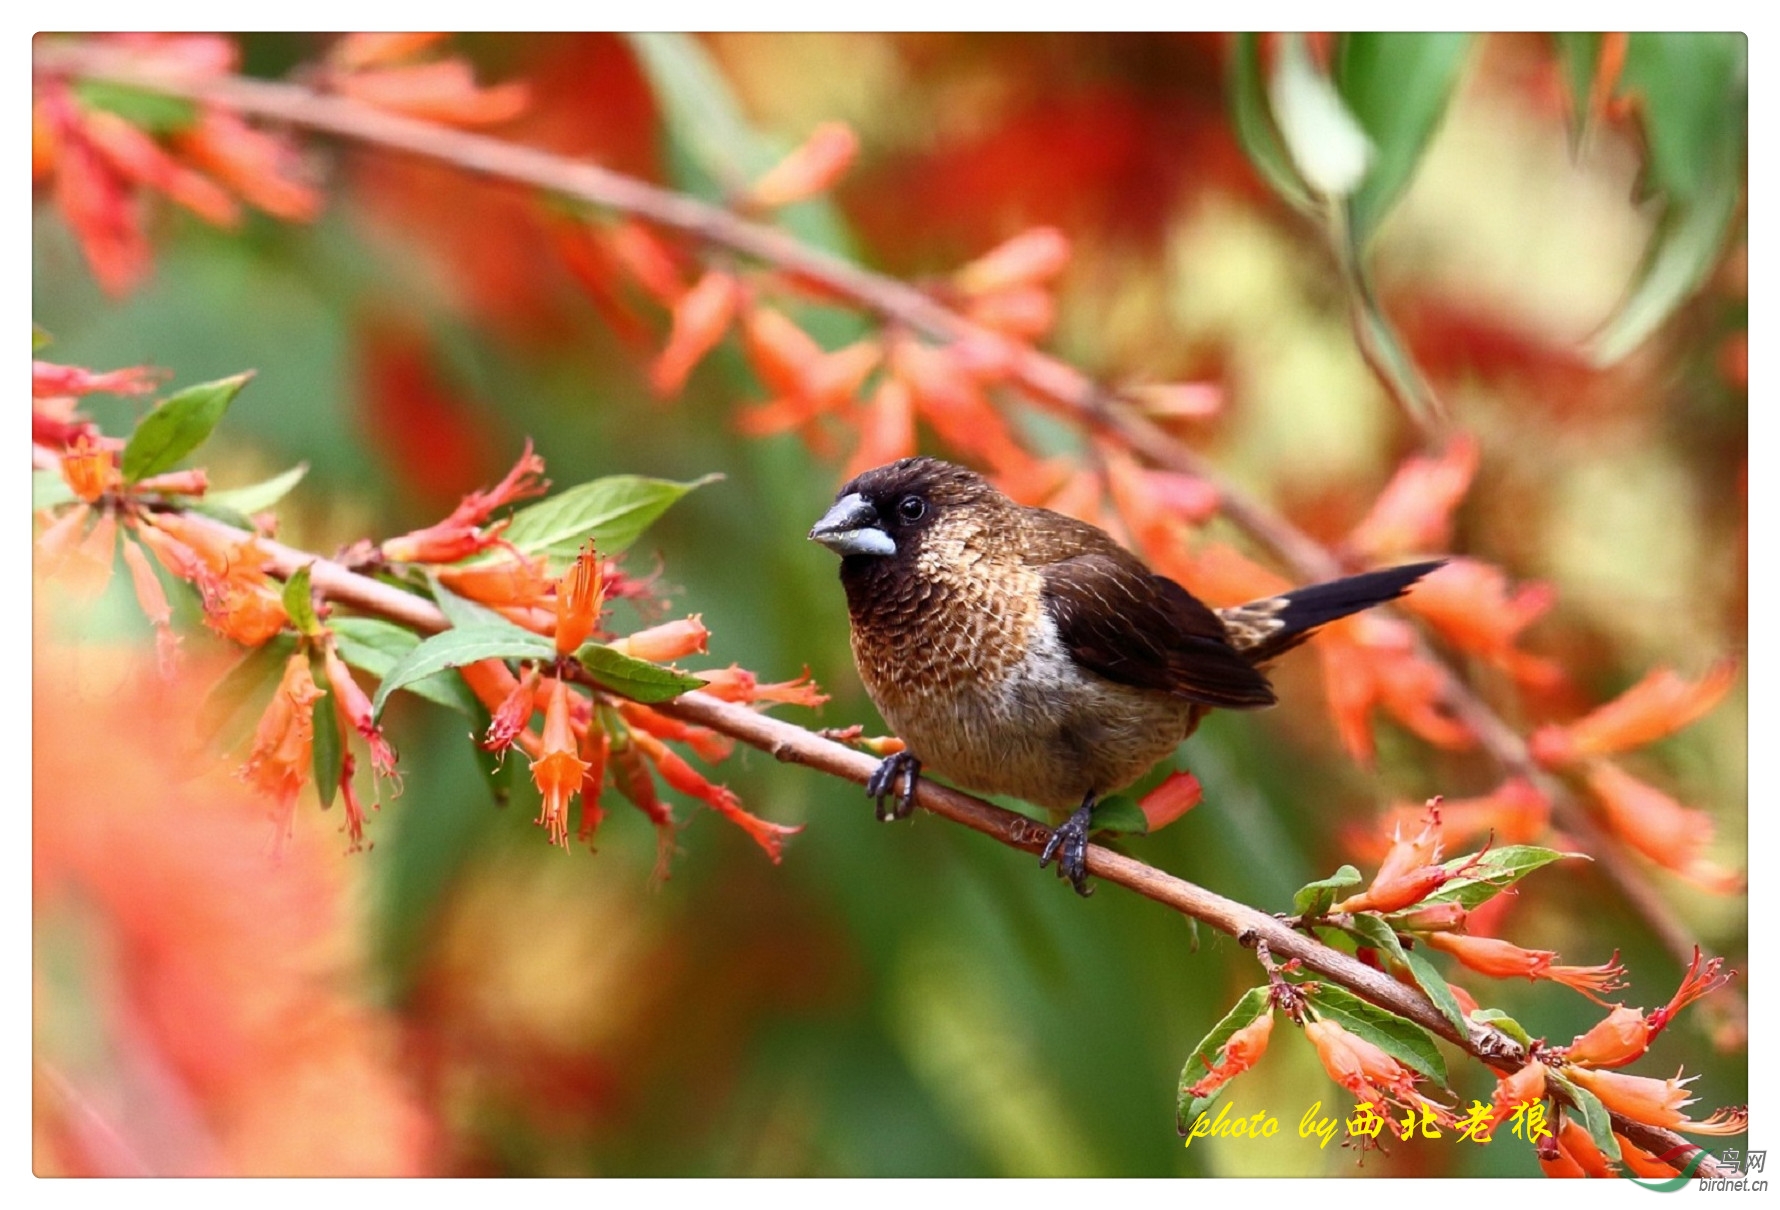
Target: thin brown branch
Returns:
[797, 745]
[1048, 380]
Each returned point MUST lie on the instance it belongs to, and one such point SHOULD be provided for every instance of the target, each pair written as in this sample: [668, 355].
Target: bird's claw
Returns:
[882, 784]
[1069, 845]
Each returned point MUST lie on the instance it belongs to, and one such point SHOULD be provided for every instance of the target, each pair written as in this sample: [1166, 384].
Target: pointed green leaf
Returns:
[153, 112]
[177, 426]
[638, 680]
[1120, 813]
[1247, 1010]
[377, 646]
[244, 689]
[1316, 898]
[1580, 56]
[328, 753]
[453, 649]
[1397, 85]
[257, 497]
[1589, 1110]
[1402, 1039]
[611, 512]
[1250, 112]
[299, 602]
[48, 489]
[1381, 935]
[1498, 870]
[1692, 102]
[1503, 1022]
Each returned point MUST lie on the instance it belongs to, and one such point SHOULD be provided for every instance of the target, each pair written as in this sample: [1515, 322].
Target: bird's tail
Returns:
[1267, 628]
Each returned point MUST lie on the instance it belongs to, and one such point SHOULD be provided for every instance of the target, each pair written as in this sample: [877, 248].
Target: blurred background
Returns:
[891, 1000]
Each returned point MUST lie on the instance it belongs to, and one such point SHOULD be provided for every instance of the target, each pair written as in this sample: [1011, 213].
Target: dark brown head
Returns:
[892, 512]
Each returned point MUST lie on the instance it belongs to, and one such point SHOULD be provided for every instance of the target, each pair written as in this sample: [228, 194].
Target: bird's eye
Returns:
[911, 508]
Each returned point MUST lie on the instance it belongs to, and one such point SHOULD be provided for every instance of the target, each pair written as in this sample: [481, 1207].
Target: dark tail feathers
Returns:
[1264, 629]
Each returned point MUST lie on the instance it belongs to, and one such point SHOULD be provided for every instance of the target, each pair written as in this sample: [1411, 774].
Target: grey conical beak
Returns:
[851, 527]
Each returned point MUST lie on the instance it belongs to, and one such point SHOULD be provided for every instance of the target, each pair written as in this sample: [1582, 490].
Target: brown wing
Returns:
[1129, 625]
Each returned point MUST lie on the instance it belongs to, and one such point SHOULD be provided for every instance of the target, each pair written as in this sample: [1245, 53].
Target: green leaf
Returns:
[1692, 90]
[328, 753]
[1120, 813]
[1247, 1010]
[153, 112]
[638, 680]
[1503, 1022]
[377, 646]
[1580, 55]
[453, 649]
[299, 603]
[1376, 932]
[1402, 1039]
[48, 489]
[257, 497]
[1594, 1116]
[245, 688]
[1250, 112]
[1397, 85]
[612, 512]
[1498, 870]
[1316, 898]
[177, 426]
[1694, 104]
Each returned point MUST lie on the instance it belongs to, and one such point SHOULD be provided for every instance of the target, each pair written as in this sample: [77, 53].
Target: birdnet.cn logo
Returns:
[1739, 1166]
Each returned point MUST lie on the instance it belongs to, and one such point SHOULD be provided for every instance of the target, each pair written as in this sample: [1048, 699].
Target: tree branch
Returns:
[797, 745]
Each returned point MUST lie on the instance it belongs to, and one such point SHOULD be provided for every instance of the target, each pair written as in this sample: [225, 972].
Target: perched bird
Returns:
[1019, 651]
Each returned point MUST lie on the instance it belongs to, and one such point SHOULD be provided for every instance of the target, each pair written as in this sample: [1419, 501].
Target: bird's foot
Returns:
[882, 784]
[1069, 844]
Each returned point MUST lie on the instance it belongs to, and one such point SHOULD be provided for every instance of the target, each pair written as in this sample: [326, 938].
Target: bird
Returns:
[1019, 651]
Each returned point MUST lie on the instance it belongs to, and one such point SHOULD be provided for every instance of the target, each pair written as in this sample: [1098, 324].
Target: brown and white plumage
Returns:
[1019, 651]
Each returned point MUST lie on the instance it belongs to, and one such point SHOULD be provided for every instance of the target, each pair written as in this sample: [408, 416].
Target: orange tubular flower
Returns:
[811, 168]
[1410, 872]
[1504, 960]
[1700, 980]
[668, 641]
[595, 746]
[646, 260]
[630, 773]
[1576, 1142]
[1660, 704]
[953, 402]
[1469, 603]
[153, 600]
[510, 580]
[1414, 512]
[700, 318]
[737, 684]
[444, 91]
[1241, 1052]
[279, 761]
[1178, 794]
[1523, 1087]
[462, 534]
[887, 428]
[355, 810]
[262, 168]
[90, 469]
[1614, 1041]
[1652, 1101]
[1033, 257]
[1358, 1065]
[137, 157]
[580, 595]
[360, 50]
[1515, 812]
[706, 743]
[49, 380]
[1371, 662]
[355, 708]
[1641, 1162]
[512, 711]
[241, 601]
[1668, 833]
[559, 771]
[684, 778]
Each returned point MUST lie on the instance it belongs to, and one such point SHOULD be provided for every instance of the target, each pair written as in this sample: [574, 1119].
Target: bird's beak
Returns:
[851, 528]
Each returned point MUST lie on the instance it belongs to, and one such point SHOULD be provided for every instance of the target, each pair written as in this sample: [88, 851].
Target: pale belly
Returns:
[1045, 731]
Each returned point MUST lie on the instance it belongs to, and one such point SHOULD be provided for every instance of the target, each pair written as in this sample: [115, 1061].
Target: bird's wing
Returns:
[1129, 625]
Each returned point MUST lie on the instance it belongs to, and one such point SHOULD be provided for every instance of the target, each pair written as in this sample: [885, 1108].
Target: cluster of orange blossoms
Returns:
[585, 735]
[99, 161]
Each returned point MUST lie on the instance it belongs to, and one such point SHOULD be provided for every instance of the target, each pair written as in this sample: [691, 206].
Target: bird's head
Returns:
[890, 512]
